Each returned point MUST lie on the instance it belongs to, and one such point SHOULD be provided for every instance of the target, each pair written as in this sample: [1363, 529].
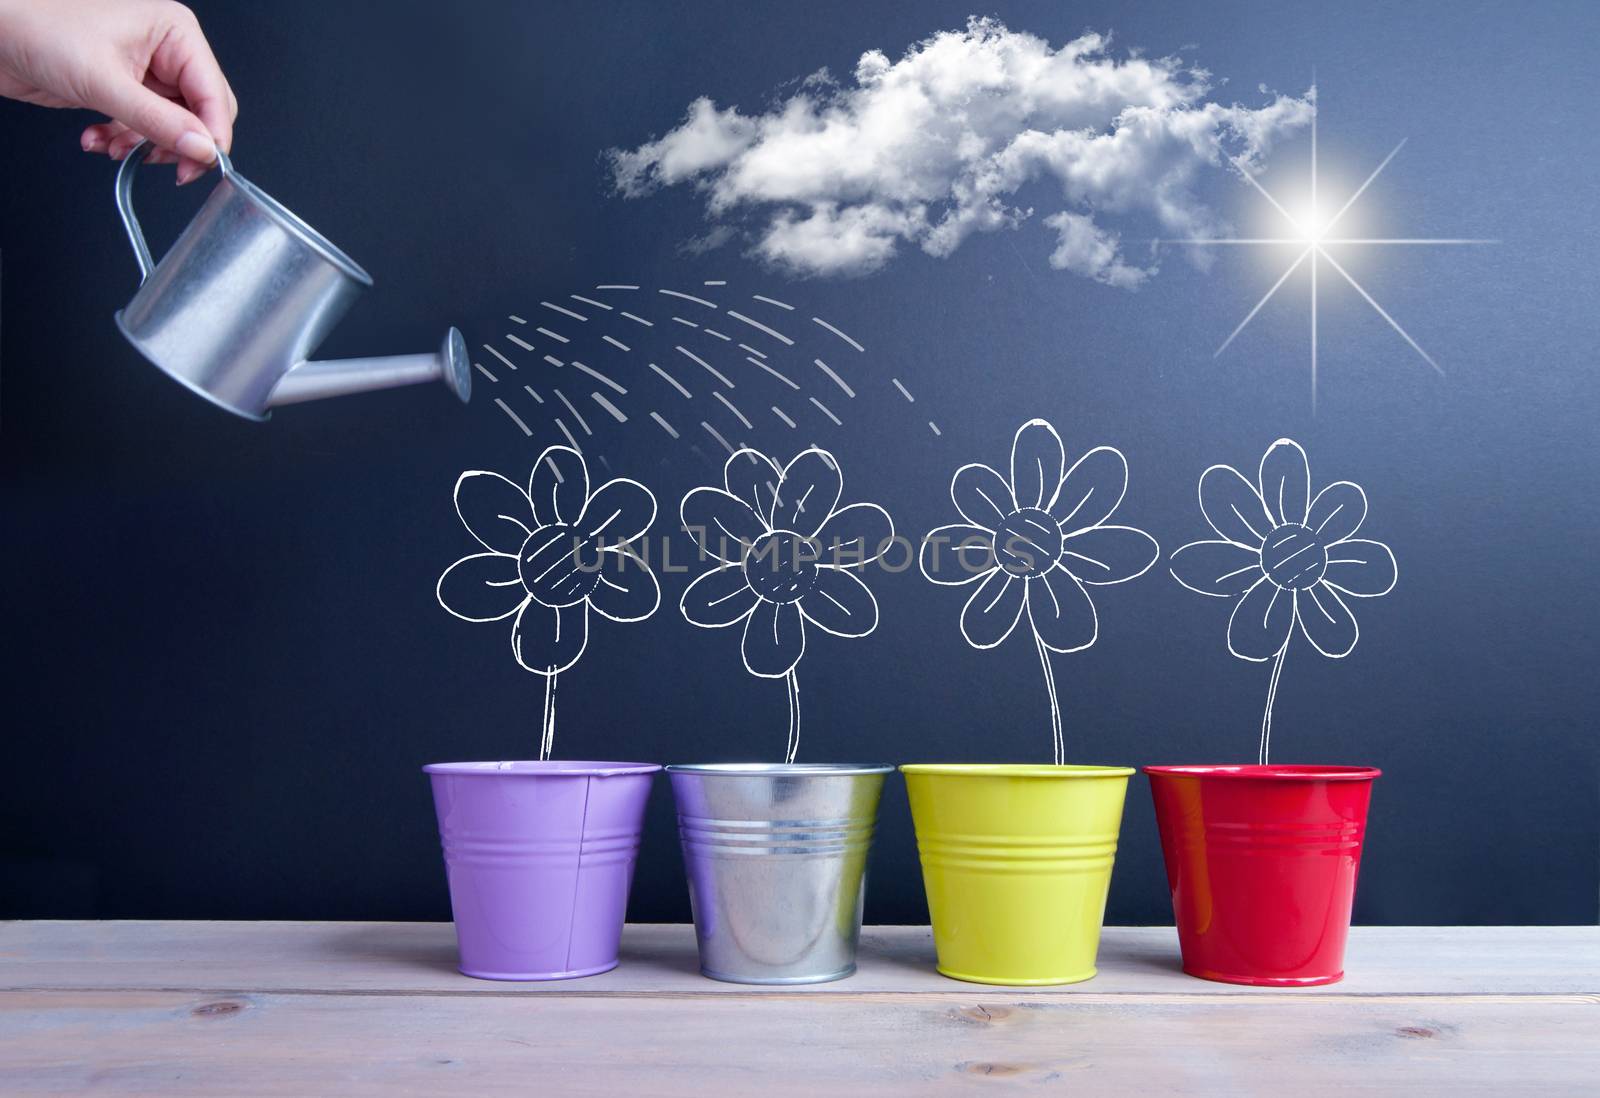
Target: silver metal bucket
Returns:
[777, 857]
[236, 307]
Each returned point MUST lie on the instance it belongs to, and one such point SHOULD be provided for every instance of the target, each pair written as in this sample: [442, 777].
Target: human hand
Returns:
[143, 63]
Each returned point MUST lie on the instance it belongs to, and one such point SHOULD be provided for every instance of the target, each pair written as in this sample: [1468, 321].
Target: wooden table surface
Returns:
[179, 1008]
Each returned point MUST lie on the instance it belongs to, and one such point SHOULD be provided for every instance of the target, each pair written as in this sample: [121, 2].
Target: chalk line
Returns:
[837, 380]
[773, 372]
[504, 407]
[748, 426]
[501, 357]
[689, 297]
[575, 413]
[598, 376]
[599, 398]
[838, 333]
[672, 381]
[823, 408]
[756, 324]
[565, 311]
[709, 368]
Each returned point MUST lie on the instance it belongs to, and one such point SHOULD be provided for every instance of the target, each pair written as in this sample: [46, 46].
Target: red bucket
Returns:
[1262, 864]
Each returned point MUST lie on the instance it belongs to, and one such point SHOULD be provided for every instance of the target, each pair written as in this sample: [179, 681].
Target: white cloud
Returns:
[934, 147]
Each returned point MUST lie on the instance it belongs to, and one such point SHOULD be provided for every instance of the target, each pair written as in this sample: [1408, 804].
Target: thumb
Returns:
[164, 122]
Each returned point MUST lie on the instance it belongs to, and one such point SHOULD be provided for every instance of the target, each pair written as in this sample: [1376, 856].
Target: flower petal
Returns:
[855, 535]
[1216, 567]
[619, 511]
[721, 524]
[1260, 625]
[485, 587]
[559, 486]
[1091, 490]
[1337, 512]
[774, 639]
[1361, 568]
[1285, 481]
[547, 641]
[1061, 611]
[957, 554]
[628, 590]
[1233, 507]
[840, 604]
[808, 492]
[1109, 554]
[494, 510]
[753, 477]
[1326, 621]
[992, 612]
[1037, 459]
[717, 598]
[981, 495]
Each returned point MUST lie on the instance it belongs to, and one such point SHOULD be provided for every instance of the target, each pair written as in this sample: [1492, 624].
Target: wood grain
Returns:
[369, 1008]
[420, 957]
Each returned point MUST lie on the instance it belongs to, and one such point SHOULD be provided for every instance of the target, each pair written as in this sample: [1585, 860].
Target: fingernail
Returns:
[197, 147]
[88, 143]
[186, 174]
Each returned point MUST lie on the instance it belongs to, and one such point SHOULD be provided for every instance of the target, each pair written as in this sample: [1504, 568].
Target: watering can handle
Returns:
[130, 220]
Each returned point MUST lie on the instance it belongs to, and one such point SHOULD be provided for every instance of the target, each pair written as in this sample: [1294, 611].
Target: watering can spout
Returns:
[315, 380]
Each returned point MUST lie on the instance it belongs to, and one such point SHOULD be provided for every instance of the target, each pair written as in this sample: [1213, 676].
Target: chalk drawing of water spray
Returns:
[554, 552]
[619, 352]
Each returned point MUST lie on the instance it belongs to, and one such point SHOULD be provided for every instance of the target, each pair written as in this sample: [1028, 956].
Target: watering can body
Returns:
[239, 303]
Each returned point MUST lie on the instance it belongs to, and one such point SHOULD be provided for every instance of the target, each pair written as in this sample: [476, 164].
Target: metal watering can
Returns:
[236, 307]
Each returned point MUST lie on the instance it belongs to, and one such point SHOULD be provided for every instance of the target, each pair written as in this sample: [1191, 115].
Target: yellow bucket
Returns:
[1016, 860]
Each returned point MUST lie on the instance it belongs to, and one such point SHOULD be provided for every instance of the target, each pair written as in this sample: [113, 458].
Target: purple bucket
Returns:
[540, 857]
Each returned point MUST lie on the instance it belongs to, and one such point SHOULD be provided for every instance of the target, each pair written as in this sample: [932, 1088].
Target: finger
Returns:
[185, 61]
[98, 137]
[123, 143]
[161, 87]
[144, 112]
[190, 170]
[119, 147]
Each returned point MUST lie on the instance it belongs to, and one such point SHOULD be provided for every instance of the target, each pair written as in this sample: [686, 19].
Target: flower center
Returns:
[1027, 543]
[559, 566]
[1294, 557]
[781, 566]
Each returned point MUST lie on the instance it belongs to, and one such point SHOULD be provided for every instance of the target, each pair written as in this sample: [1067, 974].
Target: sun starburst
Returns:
[1312, 235]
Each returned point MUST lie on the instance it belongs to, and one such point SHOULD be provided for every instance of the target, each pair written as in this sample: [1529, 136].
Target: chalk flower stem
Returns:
[1272, 696]
[1057, 740]
[794, 715]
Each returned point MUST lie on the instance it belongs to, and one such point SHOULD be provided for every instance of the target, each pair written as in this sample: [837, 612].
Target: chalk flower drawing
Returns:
[1033, 542]
[1287, 558]
[787, 554]
[554, 551]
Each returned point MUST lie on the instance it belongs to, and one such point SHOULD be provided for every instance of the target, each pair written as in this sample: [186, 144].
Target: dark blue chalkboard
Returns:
[225, 662]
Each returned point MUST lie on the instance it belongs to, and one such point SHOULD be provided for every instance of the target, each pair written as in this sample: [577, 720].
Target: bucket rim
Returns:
[300, 229]
[1278, 772]
[1019, 770]
[549, 768]
[770, 770]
